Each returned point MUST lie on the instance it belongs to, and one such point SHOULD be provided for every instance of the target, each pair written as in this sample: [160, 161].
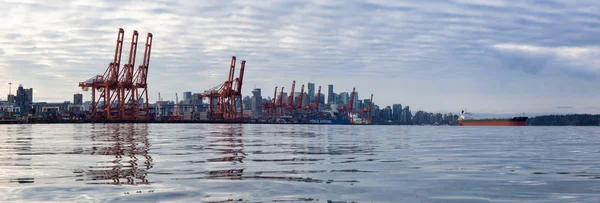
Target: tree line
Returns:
[565, 120]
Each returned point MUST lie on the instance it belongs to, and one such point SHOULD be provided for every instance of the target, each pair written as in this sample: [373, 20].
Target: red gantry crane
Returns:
[223, 98]
[117, 101]
[126, 86]
[141, 83]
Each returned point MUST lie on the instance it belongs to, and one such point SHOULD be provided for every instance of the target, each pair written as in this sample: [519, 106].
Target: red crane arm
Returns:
[119, 48]
[281, 97]
[351, 103]
[291, 97]
[275, 96]
[318, 98]
[231, 72]
[128, 70]
[371, 105]
[241, 78]
[142, 74]
[113, 68]
[301, 96]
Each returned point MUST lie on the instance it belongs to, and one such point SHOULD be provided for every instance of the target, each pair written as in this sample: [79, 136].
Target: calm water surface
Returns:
[298, 163]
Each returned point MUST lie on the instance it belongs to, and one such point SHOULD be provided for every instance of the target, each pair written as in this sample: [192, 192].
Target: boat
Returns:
[463, 120]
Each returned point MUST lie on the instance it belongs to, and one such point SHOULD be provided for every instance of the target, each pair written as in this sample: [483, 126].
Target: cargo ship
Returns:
[463, 120]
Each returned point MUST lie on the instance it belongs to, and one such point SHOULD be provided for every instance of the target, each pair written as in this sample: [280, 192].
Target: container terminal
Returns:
[120, 95]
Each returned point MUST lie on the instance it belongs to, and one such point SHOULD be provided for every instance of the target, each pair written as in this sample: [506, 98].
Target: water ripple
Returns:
[297, 163]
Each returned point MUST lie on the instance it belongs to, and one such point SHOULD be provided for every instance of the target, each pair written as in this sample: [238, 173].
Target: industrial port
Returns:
[120, 94]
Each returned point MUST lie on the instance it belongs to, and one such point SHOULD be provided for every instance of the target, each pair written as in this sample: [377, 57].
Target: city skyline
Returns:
[440, 56]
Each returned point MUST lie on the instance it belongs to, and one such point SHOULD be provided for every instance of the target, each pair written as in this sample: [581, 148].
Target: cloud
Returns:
[534, 59]
[564, 107]
[416, 53]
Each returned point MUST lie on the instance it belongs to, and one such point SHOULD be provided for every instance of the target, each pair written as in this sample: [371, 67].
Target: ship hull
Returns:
[328, 121]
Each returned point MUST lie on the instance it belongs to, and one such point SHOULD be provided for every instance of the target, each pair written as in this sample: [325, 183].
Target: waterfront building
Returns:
[24, 98]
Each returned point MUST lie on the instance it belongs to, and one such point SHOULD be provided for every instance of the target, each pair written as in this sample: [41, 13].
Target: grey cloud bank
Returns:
[487, 56]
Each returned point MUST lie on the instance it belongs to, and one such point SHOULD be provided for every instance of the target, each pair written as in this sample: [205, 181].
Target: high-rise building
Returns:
[257, 103]
[397, 112]
[311, 91]
[406, 115]
[344, 98]
[29, 93]
[24, 98]
[366, 103]
[187, 98]
[330, 95]
[335, 98]
[197, 102]
[322, 98]
[247, 101]
[386, 113]
[281, 98]
[375, 111]
[305, 101]
[356, 103]
[296, 98]
[78, 99]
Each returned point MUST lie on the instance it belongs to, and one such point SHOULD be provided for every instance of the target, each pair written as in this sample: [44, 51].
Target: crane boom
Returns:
[241, 78]
[176, 111]
[317, 99]
[281, 97]
[231, 75]
[274, 101]
[291, 97]
[301, 97]
[351, 103]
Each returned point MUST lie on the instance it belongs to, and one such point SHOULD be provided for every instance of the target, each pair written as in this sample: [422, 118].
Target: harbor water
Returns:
[297, 163]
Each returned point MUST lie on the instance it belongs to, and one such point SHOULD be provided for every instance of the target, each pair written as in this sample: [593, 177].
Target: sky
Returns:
[529, 56]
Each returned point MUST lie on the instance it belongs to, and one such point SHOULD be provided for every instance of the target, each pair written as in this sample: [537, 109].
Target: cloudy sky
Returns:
[439, 55]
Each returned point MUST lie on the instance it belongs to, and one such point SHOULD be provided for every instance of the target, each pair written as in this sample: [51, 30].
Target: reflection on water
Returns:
[15, 153]
[297, 163]
[125, 145]
[227, 145]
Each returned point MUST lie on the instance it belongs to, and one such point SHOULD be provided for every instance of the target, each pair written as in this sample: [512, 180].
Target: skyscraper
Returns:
[257, 103]
[24, 98]
[305, 101]
[281, 98]
[78, 99]
[311, 91]
[322, 98]
[344, 98]
[187, 97]
[330, 95]
[406, 115]
[397, 112]
[366, 103]
[356, 103]
[386, 113]
[296, 98]
[247, 103]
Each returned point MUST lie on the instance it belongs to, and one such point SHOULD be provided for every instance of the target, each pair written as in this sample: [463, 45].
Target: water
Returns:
[298, 163]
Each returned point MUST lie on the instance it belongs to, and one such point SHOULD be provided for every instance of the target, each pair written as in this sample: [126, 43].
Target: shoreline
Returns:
[13, 122]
